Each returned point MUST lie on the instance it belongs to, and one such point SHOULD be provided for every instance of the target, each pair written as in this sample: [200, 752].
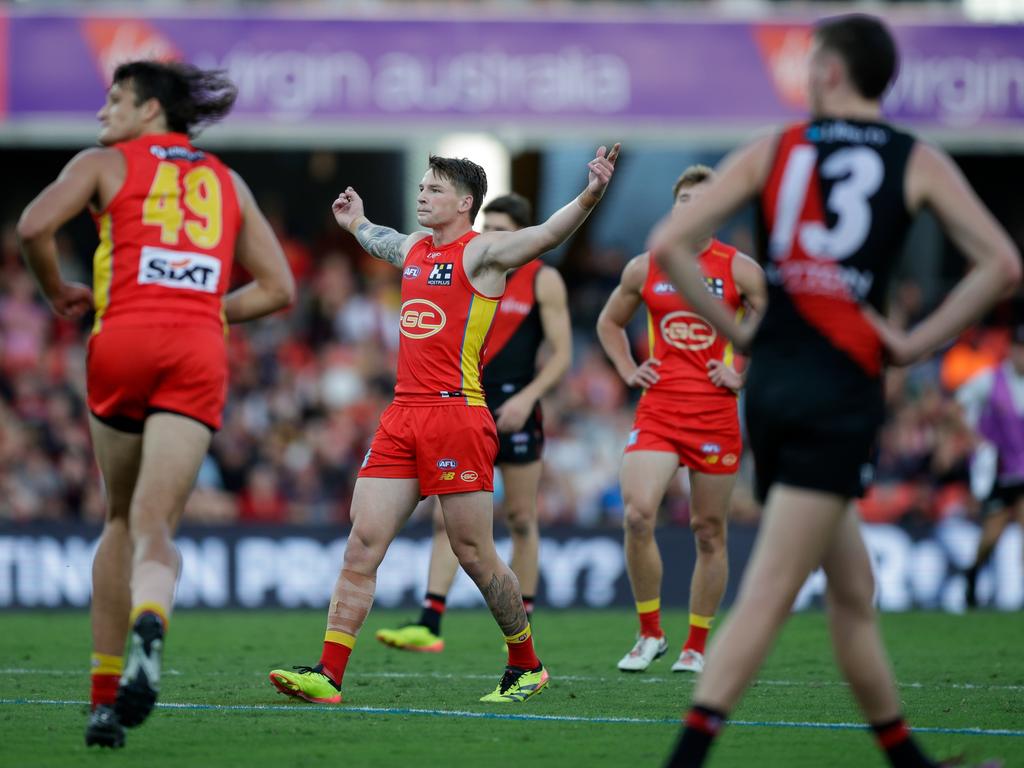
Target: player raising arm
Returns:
[836, 196]
[533, 311]
[171, 220]
[437, 437]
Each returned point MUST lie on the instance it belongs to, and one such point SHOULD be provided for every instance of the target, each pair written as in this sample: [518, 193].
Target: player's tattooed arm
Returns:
[382, 242]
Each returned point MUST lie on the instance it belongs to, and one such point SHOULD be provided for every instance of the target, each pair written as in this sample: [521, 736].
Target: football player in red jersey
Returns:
[687, 416]
[533, 311]
[836, 195]
[171, 219]
[438, 437]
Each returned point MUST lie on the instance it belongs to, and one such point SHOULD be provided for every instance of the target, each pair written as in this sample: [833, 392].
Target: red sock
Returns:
[104, 690]
[528, 605]
[649, 612]
[106, 674]
[337, 648]
[520, 650]
[698, 637]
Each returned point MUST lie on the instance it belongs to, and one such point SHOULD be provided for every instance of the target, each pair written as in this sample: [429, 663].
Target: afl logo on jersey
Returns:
[687, 331]
[421, 318]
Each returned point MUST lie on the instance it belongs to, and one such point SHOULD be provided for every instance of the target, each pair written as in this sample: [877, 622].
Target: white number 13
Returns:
[860, 172]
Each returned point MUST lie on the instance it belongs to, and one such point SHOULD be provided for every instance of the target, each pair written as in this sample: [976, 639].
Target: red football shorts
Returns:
[448, 448]
[707, 442]
[132, 372]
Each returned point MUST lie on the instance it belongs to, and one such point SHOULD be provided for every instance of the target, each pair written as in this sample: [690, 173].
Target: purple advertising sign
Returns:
[479, 71]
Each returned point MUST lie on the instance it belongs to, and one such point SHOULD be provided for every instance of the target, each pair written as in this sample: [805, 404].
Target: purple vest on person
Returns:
[1003, 425]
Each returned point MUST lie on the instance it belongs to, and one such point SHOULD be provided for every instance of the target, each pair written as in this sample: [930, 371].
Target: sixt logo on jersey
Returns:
[440, 274]
[411, 273]
[179, 269]
[664, 287]
[715, 286]
[447, 463]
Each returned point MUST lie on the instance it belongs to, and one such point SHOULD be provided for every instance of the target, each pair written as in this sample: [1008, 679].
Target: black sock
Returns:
[430, 616]
[700, 727]
[899, 746]
[528, 605]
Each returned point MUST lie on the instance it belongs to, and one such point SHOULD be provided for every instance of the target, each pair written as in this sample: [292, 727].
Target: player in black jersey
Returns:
[836, 196]
[533, 310]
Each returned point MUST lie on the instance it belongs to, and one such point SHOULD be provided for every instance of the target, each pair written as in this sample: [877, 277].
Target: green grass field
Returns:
[406, 709]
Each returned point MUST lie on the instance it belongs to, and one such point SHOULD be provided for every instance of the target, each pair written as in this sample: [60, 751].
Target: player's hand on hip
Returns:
[898, 345]
[512, 414]
[71, 301]
[601, 169]
[347, 208]
[723, 375]
[645, 376]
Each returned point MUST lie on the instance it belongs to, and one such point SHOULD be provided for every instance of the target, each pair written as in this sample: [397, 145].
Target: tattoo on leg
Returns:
[506, 603]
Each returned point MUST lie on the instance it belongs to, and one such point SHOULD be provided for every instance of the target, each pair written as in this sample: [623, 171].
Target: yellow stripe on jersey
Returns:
[102, 271]
[650, 334]
[730, 354]
[481, 315]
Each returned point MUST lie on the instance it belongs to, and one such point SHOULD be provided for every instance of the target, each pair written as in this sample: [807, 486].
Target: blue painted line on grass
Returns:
[345, 709]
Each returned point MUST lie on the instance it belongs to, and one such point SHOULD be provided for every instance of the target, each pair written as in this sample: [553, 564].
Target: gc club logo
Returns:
[469, 476]
[421, 318]
[687, 331]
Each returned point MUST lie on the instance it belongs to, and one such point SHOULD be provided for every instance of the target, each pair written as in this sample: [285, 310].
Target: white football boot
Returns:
[689, 661]
[646, 650]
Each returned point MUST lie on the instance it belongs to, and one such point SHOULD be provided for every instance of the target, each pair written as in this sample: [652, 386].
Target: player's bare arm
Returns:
[381, 242]
[78, 185]
[499, 252]
[615, 316]
[676, 241]
[933, 181]
[552, 299]
[749, 279]
[257, 249]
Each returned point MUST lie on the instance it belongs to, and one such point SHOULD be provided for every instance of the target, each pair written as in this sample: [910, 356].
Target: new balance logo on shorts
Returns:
[440, 274]
[179, 269]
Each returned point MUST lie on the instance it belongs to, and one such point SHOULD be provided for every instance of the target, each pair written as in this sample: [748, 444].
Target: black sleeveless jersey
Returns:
[510, 360]
[833, 218]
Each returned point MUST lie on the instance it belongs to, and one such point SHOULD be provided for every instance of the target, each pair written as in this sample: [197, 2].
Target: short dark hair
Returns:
[191, 98]
[691, 177]
[867, 48]
[516, 207]
[467, 176]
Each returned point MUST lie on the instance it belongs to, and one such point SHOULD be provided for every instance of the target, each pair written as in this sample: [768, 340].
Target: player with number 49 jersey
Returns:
[167, 243]
[167, 239]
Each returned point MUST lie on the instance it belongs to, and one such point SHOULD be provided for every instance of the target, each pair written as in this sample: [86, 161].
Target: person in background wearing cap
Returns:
[993, 403]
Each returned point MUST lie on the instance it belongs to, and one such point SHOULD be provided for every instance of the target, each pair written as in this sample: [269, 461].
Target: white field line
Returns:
[342, 710]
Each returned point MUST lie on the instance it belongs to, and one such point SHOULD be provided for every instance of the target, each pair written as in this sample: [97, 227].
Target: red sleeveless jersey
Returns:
[444, 323]
[684, 341]
[167, 239]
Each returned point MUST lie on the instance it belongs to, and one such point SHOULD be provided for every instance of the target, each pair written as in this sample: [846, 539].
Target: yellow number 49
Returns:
[163, 205]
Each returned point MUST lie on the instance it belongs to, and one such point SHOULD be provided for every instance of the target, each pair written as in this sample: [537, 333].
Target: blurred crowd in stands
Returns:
[308, 385]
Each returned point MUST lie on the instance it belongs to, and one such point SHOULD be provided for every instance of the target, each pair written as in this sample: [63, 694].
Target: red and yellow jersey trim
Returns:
[102, 270]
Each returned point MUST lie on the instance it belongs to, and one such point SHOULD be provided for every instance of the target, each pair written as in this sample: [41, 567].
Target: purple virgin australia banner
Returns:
[662, 72]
